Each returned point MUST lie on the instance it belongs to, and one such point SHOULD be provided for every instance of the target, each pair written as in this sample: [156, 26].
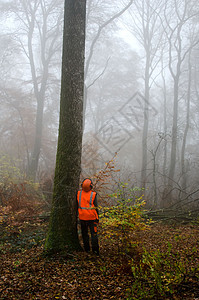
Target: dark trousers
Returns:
[92, 225]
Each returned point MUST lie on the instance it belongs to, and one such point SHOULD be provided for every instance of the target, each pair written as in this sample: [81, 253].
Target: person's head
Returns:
[87, 184]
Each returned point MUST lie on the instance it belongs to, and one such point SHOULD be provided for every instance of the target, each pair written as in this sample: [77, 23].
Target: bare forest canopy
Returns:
[141, 94]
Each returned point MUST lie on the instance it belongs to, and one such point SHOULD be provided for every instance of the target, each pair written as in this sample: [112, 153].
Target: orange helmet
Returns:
[87, 185]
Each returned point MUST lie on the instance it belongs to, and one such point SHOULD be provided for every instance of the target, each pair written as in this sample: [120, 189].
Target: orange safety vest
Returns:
[86, 208]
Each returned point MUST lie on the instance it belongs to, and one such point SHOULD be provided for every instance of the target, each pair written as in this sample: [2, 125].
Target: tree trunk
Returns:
[37, 140]
[40, 96]
[183, 162]
[62, 234]
[165, 128]
[174, 132]
[146, 122]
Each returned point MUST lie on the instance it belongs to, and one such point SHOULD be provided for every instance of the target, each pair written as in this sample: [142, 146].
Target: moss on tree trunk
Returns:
[62, 232]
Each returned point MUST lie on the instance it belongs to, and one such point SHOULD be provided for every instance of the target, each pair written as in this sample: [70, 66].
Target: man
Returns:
[88, 215]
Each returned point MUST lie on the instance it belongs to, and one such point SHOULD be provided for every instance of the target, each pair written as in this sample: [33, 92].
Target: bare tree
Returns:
[95, 39]
[146, 27]
[39, 24]
[177, 15]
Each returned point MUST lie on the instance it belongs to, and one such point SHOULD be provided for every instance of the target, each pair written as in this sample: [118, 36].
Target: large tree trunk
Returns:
[63, 223]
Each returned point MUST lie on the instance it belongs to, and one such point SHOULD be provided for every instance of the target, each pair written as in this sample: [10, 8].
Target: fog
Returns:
[141, 104]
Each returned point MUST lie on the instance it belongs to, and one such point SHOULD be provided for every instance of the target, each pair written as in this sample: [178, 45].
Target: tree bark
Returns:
[62, 234]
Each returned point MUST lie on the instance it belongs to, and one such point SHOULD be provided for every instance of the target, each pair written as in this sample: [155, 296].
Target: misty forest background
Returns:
[141, 96]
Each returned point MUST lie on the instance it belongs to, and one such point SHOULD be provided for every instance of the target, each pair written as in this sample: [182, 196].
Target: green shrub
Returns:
[159, 275]
[125, 217]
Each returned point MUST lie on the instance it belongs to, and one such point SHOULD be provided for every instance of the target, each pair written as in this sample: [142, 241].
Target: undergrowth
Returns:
[124, 218]
[160, 275]
[139, 259]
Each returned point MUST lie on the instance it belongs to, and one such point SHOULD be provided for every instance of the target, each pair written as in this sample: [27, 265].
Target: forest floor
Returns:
[27, 274]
